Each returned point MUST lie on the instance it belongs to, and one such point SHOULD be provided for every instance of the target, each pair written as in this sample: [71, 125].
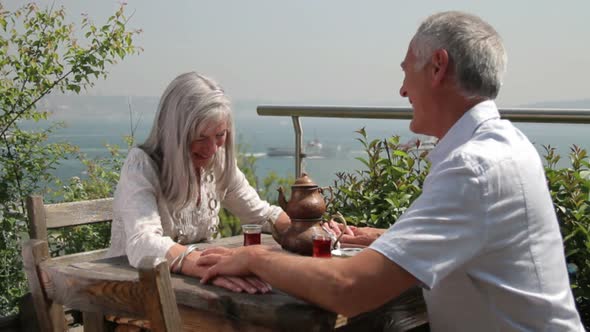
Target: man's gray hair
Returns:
[477, 56]
[190, 104]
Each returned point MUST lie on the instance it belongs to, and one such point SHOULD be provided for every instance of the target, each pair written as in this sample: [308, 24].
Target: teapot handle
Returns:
[331, 195]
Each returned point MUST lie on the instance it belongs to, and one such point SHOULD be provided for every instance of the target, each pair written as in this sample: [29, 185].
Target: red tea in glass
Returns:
[252, 238]
[321, 246]
[251, 234]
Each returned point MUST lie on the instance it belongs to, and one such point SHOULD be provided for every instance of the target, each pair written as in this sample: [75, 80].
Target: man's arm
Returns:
[348, 286]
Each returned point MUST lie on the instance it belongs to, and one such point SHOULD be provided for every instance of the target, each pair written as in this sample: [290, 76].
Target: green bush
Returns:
[377, 195]
[570, 190]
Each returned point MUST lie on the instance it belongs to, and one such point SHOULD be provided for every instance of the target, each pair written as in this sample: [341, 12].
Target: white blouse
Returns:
[144, 224]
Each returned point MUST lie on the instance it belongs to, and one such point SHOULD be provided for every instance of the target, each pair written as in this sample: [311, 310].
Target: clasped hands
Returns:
[199, 267]
[223, 262]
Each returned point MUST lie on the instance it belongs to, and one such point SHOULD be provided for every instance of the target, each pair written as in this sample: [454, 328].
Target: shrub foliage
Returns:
[570, 190]
[391, 180]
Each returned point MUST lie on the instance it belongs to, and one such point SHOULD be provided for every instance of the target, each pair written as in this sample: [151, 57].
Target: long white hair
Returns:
[190, 103]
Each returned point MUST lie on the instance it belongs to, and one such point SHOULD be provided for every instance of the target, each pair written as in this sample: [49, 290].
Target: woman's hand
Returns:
[249, 284]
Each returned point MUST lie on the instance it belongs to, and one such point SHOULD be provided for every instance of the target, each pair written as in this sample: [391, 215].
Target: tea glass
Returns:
[322, 246]
[251, 234]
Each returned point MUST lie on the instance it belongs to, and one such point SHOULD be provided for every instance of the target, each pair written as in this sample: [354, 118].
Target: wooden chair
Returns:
[49, 216]
[55, 282]
[44, 217]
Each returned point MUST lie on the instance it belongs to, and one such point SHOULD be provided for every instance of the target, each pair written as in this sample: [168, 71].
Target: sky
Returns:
[336, 52]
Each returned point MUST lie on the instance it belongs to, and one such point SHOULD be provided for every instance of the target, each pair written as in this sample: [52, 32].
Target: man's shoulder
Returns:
[493, 143]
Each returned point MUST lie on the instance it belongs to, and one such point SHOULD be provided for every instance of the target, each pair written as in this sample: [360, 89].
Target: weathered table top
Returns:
[275, 311]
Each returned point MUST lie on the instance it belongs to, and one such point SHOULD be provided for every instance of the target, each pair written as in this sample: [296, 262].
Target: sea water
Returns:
[93, 125]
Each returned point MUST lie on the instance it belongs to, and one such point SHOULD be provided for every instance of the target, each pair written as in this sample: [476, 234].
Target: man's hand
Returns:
[250, 284]
[191, 267]
[362, 235]
[235, 264]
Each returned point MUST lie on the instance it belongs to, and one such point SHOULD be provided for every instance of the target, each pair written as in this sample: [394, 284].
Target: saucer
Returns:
[346, 252]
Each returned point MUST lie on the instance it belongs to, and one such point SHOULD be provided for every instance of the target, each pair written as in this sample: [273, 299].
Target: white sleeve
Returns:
[135, 204]
[444, 227]
[244, 202]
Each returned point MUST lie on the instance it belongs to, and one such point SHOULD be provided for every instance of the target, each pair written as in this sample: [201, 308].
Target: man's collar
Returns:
[463, 129]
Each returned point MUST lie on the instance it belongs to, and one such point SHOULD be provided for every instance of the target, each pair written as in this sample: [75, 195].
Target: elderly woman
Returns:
[173, 185]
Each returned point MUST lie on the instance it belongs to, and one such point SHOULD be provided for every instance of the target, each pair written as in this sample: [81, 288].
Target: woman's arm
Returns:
[282, 222]
[135, 209]
[242, 200]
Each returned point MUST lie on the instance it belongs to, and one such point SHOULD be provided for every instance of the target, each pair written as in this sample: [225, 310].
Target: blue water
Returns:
[92, 125]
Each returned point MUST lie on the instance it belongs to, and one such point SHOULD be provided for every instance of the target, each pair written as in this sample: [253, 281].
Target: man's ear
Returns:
[440, 65]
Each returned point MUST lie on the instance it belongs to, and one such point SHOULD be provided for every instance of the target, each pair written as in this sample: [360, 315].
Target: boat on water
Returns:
[313, 148]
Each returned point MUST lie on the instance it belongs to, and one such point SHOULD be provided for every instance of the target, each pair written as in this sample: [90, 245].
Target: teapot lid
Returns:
[304, 181]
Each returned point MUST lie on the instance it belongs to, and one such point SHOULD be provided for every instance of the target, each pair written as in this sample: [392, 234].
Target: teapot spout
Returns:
[282, 200]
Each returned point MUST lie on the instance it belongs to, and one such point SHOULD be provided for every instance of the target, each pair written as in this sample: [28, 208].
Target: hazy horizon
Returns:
[338, 52]
[63, 107]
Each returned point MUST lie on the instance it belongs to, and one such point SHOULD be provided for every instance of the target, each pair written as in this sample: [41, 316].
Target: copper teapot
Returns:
[306, 209]
[307, 200]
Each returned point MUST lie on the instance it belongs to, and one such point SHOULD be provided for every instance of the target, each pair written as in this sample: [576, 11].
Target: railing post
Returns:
[298, 146]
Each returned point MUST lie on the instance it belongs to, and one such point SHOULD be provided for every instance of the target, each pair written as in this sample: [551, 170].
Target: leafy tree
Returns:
[40, 54]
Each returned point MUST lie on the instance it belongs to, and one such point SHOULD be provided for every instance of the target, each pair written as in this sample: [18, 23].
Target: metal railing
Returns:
[533, 115]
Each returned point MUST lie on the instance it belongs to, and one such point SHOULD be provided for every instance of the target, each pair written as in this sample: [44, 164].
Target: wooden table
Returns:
[211, 308]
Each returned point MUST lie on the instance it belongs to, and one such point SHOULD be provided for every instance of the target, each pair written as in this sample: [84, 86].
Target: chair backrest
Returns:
[55, 282]
[47, 216]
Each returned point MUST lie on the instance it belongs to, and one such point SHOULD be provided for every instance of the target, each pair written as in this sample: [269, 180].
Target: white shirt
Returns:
[483, 237]
[145, 225]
